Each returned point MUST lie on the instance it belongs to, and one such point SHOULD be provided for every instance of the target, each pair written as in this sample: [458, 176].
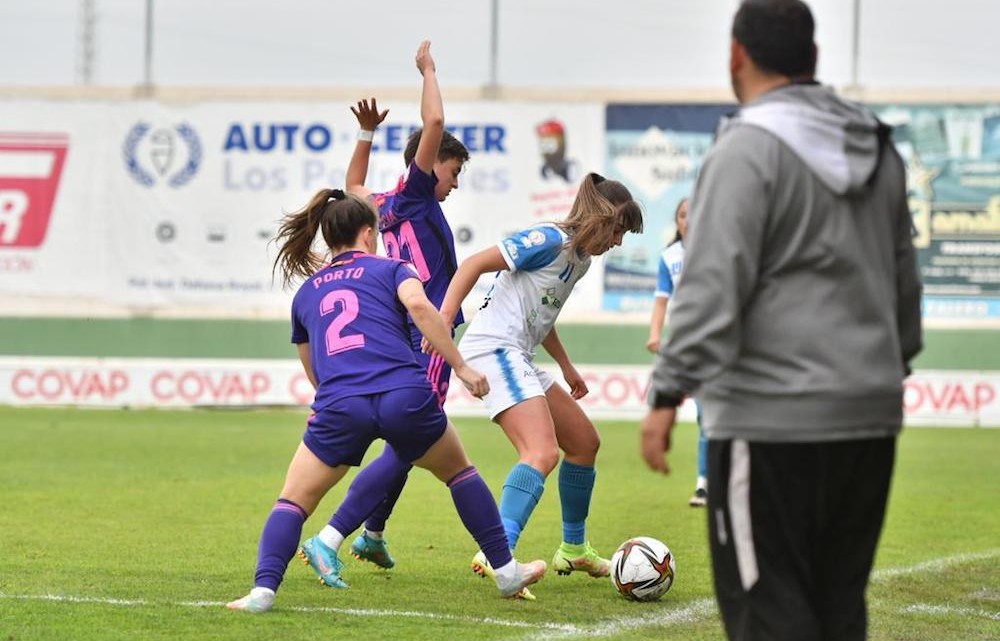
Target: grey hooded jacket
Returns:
[799, 308]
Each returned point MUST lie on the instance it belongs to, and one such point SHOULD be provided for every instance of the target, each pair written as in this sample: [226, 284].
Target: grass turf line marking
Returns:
[696, 612]
[947, 610]
[704, 609]
[561, 627]
[934, 565]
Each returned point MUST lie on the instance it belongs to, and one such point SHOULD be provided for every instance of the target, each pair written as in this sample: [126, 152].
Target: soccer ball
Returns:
[642, 569]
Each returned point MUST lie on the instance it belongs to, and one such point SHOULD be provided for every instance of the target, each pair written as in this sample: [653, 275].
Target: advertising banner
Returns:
[952, 156]
[934, 398]
[148, 207]
[656, 151]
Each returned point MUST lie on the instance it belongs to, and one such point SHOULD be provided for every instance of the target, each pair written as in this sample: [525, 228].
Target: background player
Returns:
[668, 278]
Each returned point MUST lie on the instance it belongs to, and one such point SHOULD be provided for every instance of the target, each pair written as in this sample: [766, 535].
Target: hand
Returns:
[426, 347]
[653, 344]
[577, 386]
[368, 116]
[424, 60]
[655, 437]
[474, 381]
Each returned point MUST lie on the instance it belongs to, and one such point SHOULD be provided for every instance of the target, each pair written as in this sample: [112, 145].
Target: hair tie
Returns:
[337, 194]
[597, 178]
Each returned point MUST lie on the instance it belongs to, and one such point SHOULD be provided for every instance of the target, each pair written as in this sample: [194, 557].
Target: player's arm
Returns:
[369, 119]
[484, 262]
[553, 345]
[438, 334]
[664, 288]
[431, 111]
[306, 358]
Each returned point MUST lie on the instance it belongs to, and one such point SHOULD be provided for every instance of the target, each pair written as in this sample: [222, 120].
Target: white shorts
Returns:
[513, 378]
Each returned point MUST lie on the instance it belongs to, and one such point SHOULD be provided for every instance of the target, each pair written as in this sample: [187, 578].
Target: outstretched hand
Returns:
[368, 116]
[424, 60]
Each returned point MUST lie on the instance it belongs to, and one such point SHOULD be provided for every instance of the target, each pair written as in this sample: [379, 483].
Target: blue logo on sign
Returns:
[165, 154]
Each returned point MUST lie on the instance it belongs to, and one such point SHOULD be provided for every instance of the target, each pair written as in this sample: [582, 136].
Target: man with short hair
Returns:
[795, 323]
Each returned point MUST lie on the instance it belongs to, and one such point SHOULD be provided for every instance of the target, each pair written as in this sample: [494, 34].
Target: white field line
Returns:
[705, 609]
[695, 612]
[508, 623]
[948, 610]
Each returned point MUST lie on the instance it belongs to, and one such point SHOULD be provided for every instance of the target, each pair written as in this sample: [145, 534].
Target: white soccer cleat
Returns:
[526, 574]
[259, 600]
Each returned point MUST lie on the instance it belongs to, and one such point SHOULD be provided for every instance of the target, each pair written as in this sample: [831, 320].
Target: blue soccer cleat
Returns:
[375, 551]
[323, 561]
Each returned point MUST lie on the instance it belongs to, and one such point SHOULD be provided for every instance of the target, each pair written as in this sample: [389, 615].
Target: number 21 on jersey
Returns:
[405, 246]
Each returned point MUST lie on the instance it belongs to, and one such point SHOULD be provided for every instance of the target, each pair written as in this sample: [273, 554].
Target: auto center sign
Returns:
[933, 398]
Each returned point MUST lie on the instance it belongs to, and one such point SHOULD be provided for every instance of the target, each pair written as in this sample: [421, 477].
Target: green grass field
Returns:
[139, 525]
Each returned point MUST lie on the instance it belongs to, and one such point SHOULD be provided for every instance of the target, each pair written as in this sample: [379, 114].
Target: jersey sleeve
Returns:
[404, 271]
[417, 184]
[299, 332]
[531, 249]
[664, 283]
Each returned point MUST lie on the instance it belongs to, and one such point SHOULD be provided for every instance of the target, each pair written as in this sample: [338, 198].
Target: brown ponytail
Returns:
[339, 215]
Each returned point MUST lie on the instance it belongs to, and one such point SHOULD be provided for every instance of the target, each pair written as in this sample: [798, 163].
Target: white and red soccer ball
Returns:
[643, 569]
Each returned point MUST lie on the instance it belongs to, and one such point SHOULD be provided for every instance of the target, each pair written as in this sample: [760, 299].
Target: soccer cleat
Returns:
[375, 551]
[571, 558]
[699, 498]
[482, 567]
[259, 600]
[323, 561]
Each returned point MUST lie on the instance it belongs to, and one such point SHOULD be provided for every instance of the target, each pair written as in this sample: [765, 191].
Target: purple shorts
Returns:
[409, 419]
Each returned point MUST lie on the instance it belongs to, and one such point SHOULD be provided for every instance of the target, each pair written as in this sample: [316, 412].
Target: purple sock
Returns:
[400, 472]
[480, 516]
[278, 542]
[368, 491]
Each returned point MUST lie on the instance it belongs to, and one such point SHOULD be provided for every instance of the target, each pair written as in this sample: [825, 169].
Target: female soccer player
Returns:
[349, 323]
[537, 269]
[414, 229]
[667, 279]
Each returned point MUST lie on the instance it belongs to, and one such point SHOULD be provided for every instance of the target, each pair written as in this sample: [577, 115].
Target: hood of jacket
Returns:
[837, 140]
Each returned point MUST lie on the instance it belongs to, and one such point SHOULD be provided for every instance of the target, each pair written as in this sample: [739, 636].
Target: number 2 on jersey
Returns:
[336, 341]
[406, 247]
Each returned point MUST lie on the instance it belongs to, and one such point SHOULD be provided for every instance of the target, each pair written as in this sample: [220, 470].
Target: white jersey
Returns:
[668, 276]
[522, 305]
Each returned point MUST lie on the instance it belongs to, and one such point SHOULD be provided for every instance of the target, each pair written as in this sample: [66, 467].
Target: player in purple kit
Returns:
[349, 324]
[414, 229]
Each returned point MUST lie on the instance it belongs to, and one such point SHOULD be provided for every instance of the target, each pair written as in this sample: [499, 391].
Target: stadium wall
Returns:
[135, 229]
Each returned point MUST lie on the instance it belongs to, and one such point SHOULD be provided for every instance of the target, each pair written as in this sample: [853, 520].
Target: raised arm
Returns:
[369, 119]
[431, 111]
[429, 322]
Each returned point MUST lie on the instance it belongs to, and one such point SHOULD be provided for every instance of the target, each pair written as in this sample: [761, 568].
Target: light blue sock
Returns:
[576, 485]
[521, 492]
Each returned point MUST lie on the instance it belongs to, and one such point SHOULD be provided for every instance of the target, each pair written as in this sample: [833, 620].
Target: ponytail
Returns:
[339, 215]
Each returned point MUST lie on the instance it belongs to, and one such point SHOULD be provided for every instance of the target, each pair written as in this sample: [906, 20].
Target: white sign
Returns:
[932, 398]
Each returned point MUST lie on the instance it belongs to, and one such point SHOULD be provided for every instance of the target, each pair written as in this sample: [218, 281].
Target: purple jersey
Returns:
[357, 330]
[414, 229]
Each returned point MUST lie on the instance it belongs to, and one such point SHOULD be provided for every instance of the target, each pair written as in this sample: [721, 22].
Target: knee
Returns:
[544, 460]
